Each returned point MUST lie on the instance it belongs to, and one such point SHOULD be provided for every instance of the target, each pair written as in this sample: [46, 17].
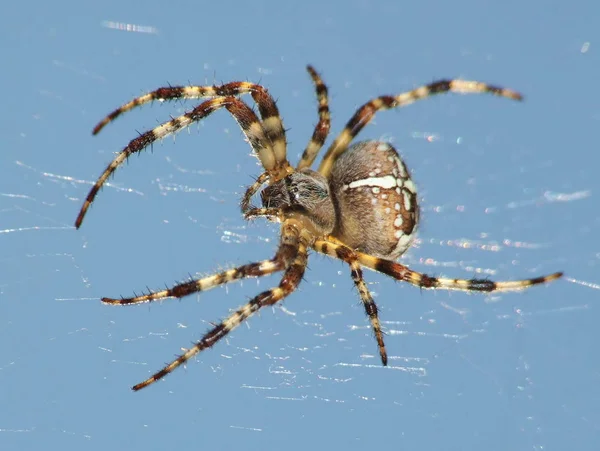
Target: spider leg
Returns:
[180, 92]
[250, 211]
[268, 110]
[322, 128]
[365, 113]
[273, 125]
[244, 116]
[346, 254]
[273, 214]
[284, 255]
[401, 272]
[252, 190]
[257, 269]
[289, 282]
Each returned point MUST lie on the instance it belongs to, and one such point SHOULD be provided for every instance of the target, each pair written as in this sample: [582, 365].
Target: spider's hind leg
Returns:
[346, 254]
[401, 272]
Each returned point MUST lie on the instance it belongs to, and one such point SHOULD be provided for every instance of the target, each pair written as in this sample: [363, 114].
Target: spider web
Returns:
[500, 200]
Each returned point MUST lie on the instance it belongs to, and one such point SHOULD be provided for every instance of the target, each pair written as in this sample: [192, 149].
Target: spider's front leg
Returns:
[245, 204]
[245, 117]
[250, 211]
[322, 128]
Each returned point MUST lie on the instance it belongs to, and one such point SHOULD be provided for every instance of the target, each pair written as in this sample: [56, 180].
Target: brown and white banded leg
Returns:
[273, 125]
[322, 128]
[245, 117]
[290, 281]
[401, 272]
[272, 214]
[252, 212]
[346, 254]
[365, 113]
[257, 269]
[245, 204]
[266, 105]
[167, 93]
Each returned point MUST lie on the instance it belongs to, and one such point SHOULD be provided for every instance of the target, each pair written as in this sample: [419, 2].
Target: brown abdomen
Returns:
[375, 200]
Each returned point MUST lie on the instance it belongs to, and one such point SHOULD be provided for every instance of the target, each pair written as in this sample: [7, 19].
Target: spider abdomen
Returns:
[375, 200]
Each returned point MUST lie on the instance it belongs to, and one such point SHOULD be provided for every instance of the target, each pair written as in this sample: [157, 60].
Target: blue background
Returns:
[508, 191]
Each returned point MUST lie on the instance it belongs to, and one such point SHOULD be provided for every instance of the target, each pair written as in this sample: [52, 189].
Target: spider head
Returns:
[305, 192]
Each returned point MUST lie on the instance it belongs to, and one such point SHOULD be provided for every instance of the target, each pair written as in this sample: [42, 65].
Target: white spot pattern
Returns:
[398, 221]
[407, 203]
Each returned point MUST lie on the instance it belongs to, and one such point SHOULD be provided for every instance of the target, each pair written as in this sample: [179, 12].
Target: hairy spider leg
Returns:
[347, 255]
[245, 204]
[322, 128]
[365, 113]
[267, 108]
[403, 273]
[245, 117]
[296, 259]
[256, 269]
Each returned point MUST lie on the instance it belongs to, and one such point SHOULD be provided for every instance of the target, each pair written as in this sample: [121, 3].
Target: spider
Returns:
[360, 206]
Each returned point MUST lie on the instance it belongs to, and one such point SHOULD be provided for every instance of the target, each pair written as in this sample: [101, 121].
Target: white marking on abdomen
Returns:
[403, 242]
[407, 203]
[388, 181]
[410, 185]
[401, 168]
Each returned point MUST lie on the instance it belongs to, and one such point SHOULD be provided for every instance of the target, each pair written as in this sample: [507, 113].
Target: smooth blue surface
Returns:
[508, 191]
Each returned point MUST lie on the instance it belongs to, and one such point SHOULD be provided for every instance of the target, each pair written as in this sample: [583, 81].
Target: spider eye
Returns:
[295, 192]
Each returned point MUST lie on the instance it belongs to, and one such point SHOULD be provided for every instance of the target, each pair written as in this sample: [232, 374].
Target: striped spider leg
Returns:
[266, 137]
[402, 273]
[361, 206]
[365, 113]
[271, 120]
[336, 249]
[322, 128]
[245, 117]
[255, 269]
[292, 257]
[317, 140]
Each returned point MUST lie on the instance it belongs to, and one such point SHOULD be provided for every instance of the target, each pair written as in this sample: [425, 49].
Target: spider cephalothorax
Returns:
[306, 193]
[360, 206]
